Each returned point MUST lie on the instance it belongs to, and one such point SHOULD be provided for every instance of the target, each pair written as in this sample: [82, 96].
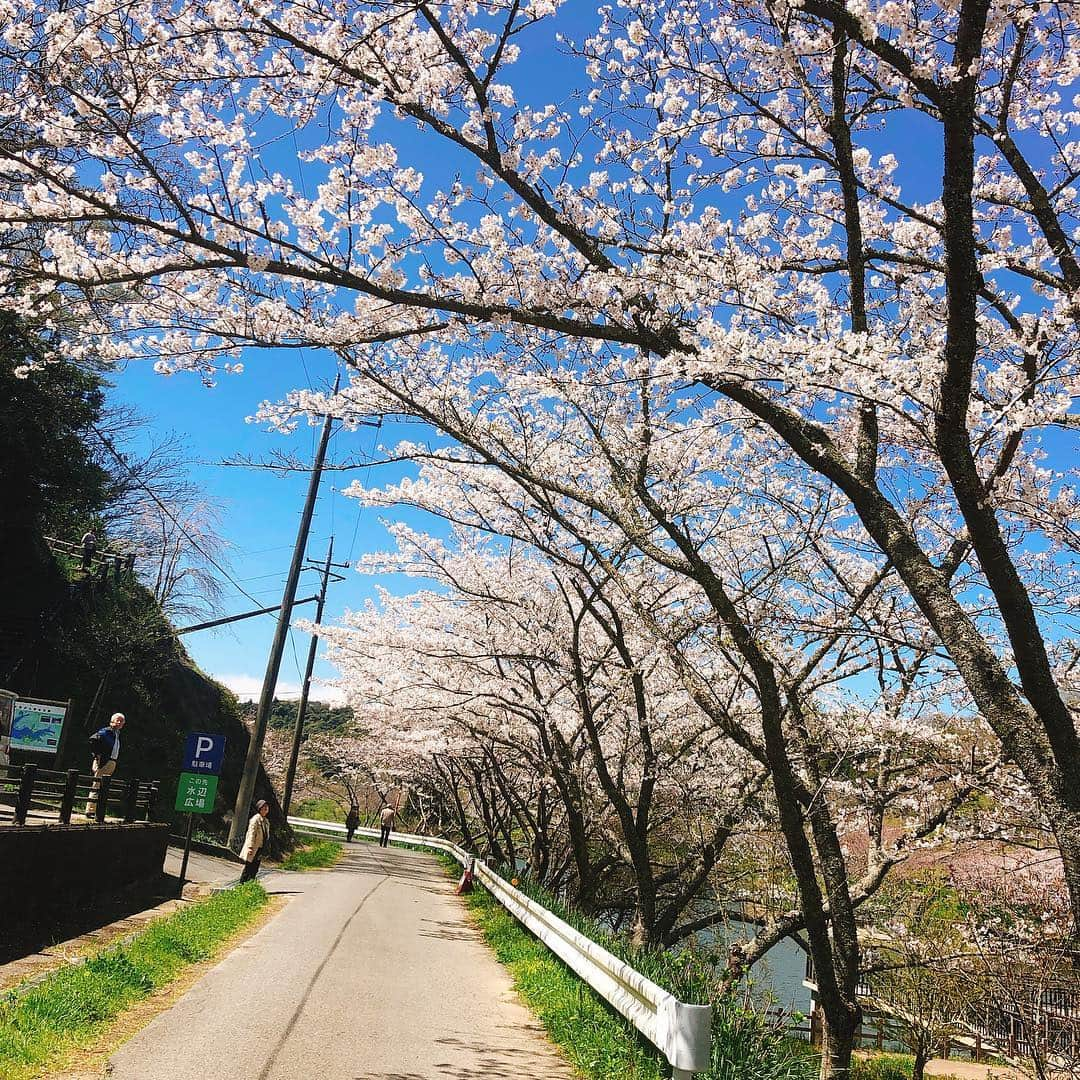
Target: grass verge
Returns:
[598, 1042]
[314, 856]
[320, 810]
[71, 1006]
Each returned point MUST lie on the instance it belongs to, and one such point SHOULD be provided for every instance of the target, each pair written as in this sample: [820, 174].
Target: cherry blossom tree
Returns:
[717, 198]
[841, 767]
[535, 679]
[715, 245]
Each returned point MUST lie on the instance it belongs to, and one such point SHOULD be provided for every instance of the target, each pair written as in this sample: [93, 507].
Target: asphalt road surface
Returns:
[371, 972]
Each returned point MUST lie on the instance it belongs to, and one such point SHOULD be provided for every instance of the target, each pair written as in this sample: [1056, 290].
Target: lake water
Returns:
[777, 979]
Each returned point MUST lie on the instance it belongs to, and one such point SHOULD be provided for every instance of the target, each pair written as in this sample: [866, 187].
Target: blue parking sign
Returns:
[203, 753]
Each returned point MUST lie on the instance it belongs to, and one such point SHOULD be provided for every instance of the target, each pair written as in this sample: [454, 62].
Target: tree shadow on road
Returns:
[486, 1063]
[447, 931]
[505, 1062]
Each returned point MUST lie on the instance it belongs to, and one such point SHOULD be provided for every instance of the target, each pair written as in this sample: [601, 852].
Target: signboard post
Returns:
[196, 789]
[7, 709]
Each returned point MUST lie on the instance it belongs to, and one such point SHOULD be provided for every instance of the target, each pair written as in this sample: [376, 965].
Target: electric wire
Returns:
[360, 505]
[108, 444]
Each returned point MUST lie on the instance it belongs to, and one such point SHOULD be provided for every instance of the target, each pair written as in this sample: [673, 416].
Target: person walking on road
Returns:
[105, 747]
[386, 823]
[352, 819]
[258, 832]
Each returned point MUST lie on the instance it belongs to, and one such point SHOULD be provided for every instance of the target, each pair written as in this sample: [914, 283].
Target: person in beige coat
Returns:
[258, 832]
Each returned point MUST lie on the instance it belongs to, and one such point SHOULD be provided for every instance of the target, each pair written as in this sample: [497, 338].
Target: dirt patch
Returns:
[91, 1060]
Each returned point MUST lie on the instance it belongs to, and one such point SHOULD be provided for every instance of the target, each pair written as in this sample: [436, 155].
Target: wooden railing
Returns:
[117, 561]
[30, 793]
[999, 1025]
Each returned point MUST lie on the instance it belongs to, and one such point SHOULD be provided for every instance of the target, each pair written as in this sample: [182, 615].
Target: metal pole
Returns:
[273, 664]
[187, 852]
[301, 711]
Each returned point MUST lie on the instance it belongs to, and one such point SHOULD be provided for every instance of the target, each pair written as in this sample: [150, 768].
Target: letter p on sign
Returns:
[203, 753]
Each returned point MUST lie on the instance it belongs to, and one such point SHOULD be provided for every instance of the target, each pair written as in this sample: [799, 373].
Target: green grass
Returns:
[320, 810]
[882, 1067]
[72, 1005]
[597, 1041]
[314, 856]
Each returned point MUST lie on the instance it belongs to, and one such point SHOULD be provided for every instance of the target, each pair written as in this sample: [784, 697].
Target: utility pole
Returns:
[301, 712]
[273, 663]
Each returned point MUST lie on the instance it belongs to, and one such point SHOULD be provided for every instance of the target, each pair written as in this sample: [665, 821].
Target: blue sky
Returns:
[260, 509]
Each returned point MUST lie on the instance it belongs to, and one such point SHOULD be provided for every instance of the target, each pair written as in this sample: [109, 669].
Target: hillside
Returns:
[104, 644]
[108, 648]
[321, 719]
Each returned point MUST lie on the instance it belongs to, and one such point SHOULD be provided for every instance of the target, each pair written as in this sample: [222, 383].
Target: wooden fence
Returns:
[30, 793]
[101, 559]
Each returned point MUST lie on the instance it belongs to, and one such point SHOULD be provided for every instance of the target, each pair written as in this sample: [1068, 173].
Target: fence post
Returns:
[67, 802]
[26, 790]
[131, 804]
[151, 796]
[102, 798]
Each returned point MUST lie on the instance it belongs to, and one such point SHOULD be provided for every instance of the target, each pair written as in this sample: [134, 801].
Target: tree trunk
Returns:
[919, 1068]
[837, 1042]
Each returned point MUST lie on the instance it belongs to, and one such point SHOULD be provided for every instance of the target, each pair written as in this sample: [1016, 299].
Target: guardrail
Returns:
[681, 1032]
[50, 795]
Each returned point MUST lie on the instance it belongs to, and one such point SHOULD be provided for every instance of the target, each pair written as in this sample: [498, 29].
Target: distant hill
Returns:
[322, 718]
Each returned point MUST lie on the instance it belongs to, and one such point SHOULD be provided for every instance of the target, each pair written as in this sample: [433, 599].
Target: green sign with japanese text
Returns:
[195, 793]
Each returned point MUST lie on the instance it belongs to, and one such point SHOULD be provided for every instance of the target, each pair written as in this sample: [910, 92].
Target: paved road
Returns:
[201, 869]
[371, 972]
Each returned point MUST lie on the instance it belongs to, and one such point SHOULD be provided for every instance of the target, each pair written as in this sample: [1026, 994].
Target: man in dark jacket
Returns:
[105, 747]
[352, 819]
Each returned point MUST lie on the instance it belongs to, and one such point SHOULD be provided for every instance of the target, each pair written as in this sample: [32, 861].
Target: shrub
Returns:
[747, 1045]
[882, 1067]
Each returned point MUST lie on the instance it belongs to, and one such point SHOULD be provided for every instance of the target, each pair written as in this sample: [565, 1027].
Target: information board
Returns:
[37, 726]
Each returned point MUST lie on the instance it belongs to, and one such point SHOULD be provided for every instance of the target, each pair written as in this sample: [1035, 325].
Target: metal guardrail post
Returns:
[26, 791]
[67, 800]
[131, 802]
[102, 798]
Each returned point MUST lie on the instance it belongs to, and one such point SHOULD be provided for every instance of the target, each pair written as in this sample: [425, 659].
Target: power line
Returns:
[295, 655]
[169, 514]
[251, 552]
[360, 505]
